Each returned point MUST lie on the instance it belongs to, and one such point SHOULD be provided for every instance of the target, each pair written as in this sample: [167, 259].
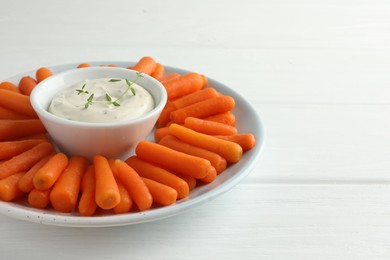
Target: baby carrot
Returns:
[137, 189]
[145, 65]
[49, 173]
[25, 183]
[191, 181]
[183, 85]
[41, 136]
[107, 192]
[210, 177]
[87, 203]
[232, 152]
[9, 86]
[217, 161]
[208, 107]
[10, 129]
[195, 97]
[209, 127]
[11, 148]
[169, 77]
[125, 202]
[17, 102]
[159, 133]
[39, 199]
[25, 160]
[158, 72]
[227, 118]
[65, 192]
[161, 194]
[160, 175]
[9, 189]
[247, 141]
[26, 85]
[42, 74]
[165, 115]
[173, 160]
[9, 114]
[83, 65]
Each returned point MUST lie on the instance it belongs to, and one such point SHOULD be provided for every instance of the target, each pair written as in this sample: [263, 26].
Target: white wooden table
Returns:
[318, 75]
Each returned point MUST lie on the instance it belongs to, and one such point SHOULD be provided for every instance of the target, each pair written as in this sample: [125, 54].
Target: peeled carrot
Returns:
[9, 86]
[83, 65]
[183, 85]
[161, 194]
[107, 191]
[17, 102]
[191, 181]
[87, 203]
[172, 160]
[125, 202]
[39, 199]
[25, 183]
[210, 177]
[9, 189]
[137, 189]
[158, 72]
[208, 107]
[41, 136]
[209, 127]
[26, 85]
[145, 65]
[42, 74]
[13, 148]
[159, 133]
[165, 115]
[25, 160]
[49, 173]
[247, 141]
[9, 114]
[217, 161]
[65, 192]
[169, 77]
[227, 118]
[10, 129]
[231, 151]
[160, 175]
[195, 97]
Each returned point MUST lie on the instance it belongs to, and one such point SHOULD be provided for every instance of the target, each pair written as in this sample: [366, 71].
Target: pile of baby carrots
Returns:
[195, 140]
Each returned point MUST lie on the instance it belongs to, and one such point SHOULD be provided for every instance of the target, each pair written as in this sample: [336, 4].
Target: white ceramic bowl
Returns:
[114, 139]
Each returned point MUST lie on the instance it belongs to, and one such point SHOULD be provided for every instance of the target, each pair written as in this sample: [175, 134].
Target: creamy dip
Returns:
[70, 103]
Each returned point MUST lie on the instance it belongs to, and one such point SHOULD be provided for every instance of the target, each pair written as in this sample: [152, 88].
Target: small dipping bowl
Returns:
[115, 140]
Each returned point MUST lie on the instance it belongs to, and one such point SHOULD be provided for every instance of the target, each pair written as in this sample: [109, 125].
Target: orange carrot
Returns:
[160, 175]
[227, 118]
[125, 202]
[205, 80]
[9, 114]
[208, 107]
[43, 73]
[42, 136]
[12, 148]
[26, 85]
[9, 86]
[161, 194]
[49, 173]
[247, 141]
[10, 129]
[232, 152]
[159, 133]
[158, 72]
[217, 161]
[107, 191]
[137, 189]
[17, 102]
[210, 177]
[84, 65]
[169, 77]
[25, 160]
[209, 127]
[145, 65]
[183, 85]
[195, 97]
[191, 181]
[165, 115]
[172, 160]
[87, 203]
[39, 199]
[65, 192]
[25, 183]
[9, 189]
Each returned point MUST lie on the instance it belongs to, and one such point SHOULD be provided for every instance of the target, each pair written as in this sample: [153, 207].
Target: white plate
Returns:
[247, 121]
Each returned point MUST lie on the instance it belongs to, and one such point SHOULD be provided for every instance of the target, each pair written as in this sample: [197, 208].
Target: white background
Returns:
[317, 72]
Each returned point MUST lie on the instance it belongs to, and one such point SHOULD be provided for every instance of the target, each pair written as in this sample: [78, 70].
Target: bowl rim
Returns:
[60, 120]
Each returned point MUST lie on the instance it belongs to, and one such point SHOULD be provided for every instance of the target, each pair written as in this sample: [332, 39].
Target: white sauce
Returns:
[71, 105]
